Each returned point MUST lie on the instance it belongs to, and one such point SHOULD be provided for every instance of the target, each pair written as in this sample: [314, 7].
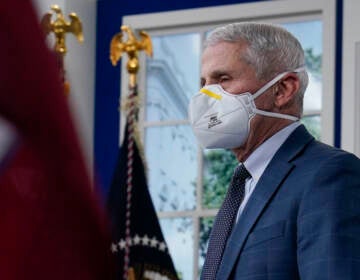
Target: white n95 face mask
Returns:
[220, 119]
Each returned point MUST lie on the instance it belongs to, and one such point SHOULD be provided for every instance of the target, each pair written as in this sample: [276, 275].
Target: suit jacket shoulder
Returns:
[301, 220]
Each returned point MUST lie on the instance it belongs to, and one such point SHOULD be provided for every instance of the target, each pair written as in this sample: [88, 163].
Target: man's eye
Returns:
[223, 79]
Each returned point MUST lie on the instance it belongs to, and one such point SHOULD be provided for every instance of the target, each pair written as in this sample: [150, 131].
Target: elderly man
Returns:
[291, 211]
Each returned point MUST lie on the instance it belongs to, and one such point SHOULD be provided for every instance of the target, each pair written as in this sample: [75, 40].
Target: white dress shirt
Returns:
[260, 158]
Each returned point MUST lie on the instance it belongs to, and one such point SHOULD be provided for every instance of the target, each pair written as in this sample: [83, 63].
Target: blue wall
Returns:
[107, 83]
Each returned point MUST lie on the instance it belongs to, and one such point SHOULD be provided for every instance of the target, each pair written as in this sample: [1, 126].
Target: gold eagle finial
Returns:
[132, 46]
[60, 27]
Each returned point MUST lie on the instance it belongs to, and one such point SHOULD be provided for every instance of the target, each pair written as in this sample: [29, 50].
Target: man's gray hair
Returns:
[271, 49]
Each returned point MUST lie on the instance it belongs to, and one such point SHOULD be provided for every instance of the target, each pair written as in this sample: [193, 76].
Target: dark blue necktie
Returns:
[224, 222]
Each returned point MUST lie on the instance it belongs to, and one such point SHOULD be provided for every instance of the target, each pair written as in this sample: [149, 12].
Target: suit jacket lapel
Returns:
[271, 179]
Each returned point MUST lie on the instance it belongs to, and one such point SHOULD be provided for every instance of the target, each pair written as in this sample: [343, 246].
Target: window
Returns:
[188, 184]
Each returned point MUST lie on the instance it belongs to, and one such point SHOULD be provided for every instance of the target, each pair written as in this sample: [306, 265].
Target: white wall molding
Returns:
[350, 119]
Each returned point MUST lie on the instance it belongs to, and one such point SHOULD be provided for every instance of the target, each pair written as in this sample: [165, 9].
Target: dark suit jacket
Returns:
[303, 218]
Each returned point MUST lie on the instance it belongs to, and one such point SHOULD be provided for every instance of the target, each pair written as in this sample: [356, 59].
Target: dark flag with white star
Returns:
[138, 243]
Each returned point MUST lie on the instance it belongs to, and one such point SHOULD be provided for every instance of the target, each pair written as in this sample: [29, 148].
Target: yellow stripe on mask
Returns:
[210, 93]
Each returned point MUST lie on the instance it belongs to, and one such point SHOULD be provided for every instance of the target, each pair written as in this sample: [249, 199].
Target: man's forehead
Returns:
[221, 60]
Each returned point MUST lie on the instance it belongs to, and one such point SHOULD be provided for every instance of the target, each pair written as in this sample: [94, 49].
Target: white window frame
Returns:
[195, 19]
[168, 22]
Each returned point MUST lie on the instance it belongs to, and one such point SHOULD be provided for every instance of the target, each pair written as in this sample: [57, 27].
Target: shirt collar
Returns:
[260, 158]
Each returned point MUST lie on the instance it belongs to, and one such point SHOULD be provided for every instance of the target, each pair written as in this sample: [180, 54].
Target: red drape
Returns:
[51, 225]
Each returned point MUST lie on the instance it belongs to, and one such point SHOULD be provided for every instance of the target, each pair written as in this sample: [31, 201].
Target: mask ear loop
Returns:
[266, 87]
[274, 81]
[275, 115]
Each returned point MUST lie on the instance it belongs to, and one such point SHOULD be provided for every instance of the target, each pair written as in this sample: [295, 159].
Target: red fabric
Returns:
[51, 225]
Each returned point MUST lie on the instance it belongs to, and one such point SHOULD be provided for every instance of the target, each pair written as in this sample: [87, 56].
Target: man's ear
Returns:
[287, 88]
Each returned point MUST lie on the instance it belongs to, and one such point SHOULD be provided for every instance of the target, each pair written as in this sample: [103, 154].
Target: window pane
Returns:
[178, 234]
[172, 164]
[218, 169]
[309, 33]
[172, 76]
[313, 124]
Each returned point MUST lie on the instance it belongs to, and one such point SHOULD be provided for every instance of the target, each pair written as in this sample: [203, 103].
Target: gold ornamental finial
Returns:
[132, 46]
[60, 27]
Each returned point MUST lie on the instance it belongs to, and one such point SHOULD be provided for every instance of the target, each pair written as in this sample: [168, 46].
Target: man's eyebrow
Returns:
[218, 73]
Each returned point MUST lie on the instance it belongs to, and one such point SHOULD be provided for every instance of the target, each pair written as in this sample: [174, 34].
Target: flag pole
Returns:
[60, 27]
[132, 47]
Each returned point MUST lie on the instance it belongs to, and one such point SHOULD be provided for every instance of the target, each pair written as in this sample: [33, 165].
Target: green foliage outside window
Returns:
[218, 166]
